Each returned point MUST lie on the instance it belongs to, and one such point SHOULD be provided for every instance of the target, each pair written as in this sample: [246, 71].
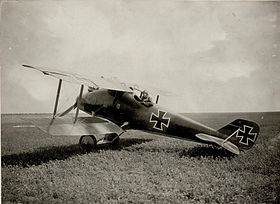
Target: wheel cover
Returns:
[87, 143]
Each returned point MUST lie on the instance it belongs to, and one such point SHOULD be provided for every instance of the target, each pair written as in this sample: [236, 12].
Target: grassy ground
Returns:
[146, 169]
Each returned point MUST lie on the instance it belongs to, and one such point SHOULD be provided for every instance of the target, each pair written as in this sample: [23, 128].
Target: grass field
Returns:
[146, 169]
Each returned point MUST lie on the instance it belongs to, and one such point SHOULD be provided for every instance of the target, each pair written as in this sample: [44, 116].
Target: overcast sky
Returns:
[212, 56]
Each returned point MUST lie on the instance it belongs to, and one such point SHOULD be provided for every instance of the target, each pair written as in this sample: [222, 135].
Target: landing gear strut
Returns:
[116, 143]
[113, 140]
[87, 143]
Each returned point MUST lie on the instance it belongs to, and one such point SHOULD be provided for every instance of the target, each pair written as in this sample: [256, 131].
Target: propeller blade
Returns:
[68, 110]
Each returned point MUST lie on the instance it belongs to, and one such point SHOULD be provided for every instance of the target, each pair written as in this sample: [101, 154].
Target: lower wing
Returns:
[83, 126]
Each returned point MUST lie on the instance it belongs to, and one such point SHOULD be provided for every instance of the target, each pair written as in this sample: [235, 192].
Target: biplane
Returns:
[114, 107]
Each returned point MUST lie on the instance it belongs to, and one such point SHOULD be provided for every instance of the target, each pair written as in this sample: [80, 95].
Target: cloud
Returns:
[138, 31]
[208, 53]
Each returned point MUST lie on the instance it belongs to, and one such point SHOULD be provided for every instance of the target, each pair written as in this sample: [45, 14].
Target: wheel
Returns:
[87, 143]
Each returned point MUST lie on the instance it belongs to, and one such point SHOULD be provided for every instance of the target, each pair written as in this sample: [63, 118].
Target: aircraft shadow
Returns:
[207, 151]
[124, 142]
[40, 156]
[46, 154]
[127, 142]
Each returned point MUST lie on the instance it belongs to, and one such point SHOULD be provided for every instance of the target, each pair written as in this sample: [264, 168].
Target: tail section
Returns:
[242, 133]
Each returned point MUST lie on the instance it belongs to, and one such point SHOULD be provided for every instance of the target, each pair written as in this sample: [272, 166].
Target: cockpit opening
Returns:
[143, 97]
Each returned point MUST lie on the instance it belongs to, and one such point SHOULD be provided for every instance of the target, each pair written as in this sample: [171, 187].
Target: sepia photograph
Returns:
[140, 101]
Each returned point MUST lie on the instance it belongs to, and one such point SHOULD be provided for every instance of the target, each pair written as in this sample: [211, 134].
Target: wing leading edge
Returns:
[96, 82]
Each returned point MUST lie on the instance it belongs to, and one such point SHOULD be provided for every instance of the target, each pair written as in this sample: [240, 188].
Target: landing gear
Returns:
[87, 143]
[113, 140]
[116, 143]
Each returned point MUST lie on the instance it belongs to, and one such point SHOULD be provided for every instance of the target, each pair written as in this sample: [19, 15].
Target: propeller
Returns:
[68, 110]
[75, 105]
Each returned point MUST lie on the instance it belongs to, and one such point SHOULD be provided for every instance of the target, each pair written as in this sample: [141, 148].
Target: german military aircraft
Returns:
[114, 107]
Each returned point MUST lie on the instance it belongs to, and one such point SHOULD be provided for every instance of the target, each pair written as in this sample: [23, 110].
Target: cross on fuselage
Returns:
[159, 120]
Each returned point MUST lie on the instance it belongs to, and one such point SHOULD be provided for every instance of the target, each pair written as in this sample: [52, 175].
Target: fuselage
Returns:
[121, 107]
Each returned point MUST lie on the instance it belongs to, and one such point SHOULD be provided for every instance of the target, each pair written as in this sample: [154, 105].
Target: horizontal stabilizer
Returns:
[219, 141]
[83, 126]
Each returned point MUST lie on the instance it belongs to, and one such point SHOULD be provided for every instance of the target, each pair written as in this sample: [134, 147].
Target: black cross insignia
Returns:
[246, 135]
[159, 120]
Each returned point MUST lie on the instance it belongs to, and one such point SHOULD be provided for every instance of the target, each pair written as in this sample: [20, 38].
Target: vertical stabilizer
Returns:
[242, 133]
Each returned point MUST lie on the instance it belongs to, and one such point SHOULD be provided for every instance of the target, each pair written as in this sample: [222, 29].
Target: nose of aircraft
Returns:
[95, 99]
[80, 103]
[87, 98]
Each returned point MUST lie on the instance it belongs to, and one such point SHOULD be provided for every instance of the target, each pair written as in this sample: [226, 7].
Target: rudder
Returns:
[242, 133]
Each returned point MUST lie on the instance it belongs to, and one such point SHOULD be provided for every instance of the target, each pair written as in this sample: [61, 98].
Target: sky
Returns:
[199, 56]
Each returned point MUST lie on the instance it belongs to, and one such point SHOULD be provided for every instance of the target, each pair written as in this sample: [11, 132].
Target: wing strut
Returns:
[157, 99]
[57, 97]
[78, 102]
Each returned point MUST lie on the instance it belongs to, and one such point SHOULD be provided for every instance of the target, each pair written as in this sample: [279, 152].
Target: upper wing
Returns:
[96, 82]
[84, 126]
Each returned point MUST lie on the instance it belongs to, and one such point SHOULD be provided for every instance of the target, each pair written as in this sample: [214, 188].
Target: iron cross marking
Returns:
[245, 134]
[160, 120]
